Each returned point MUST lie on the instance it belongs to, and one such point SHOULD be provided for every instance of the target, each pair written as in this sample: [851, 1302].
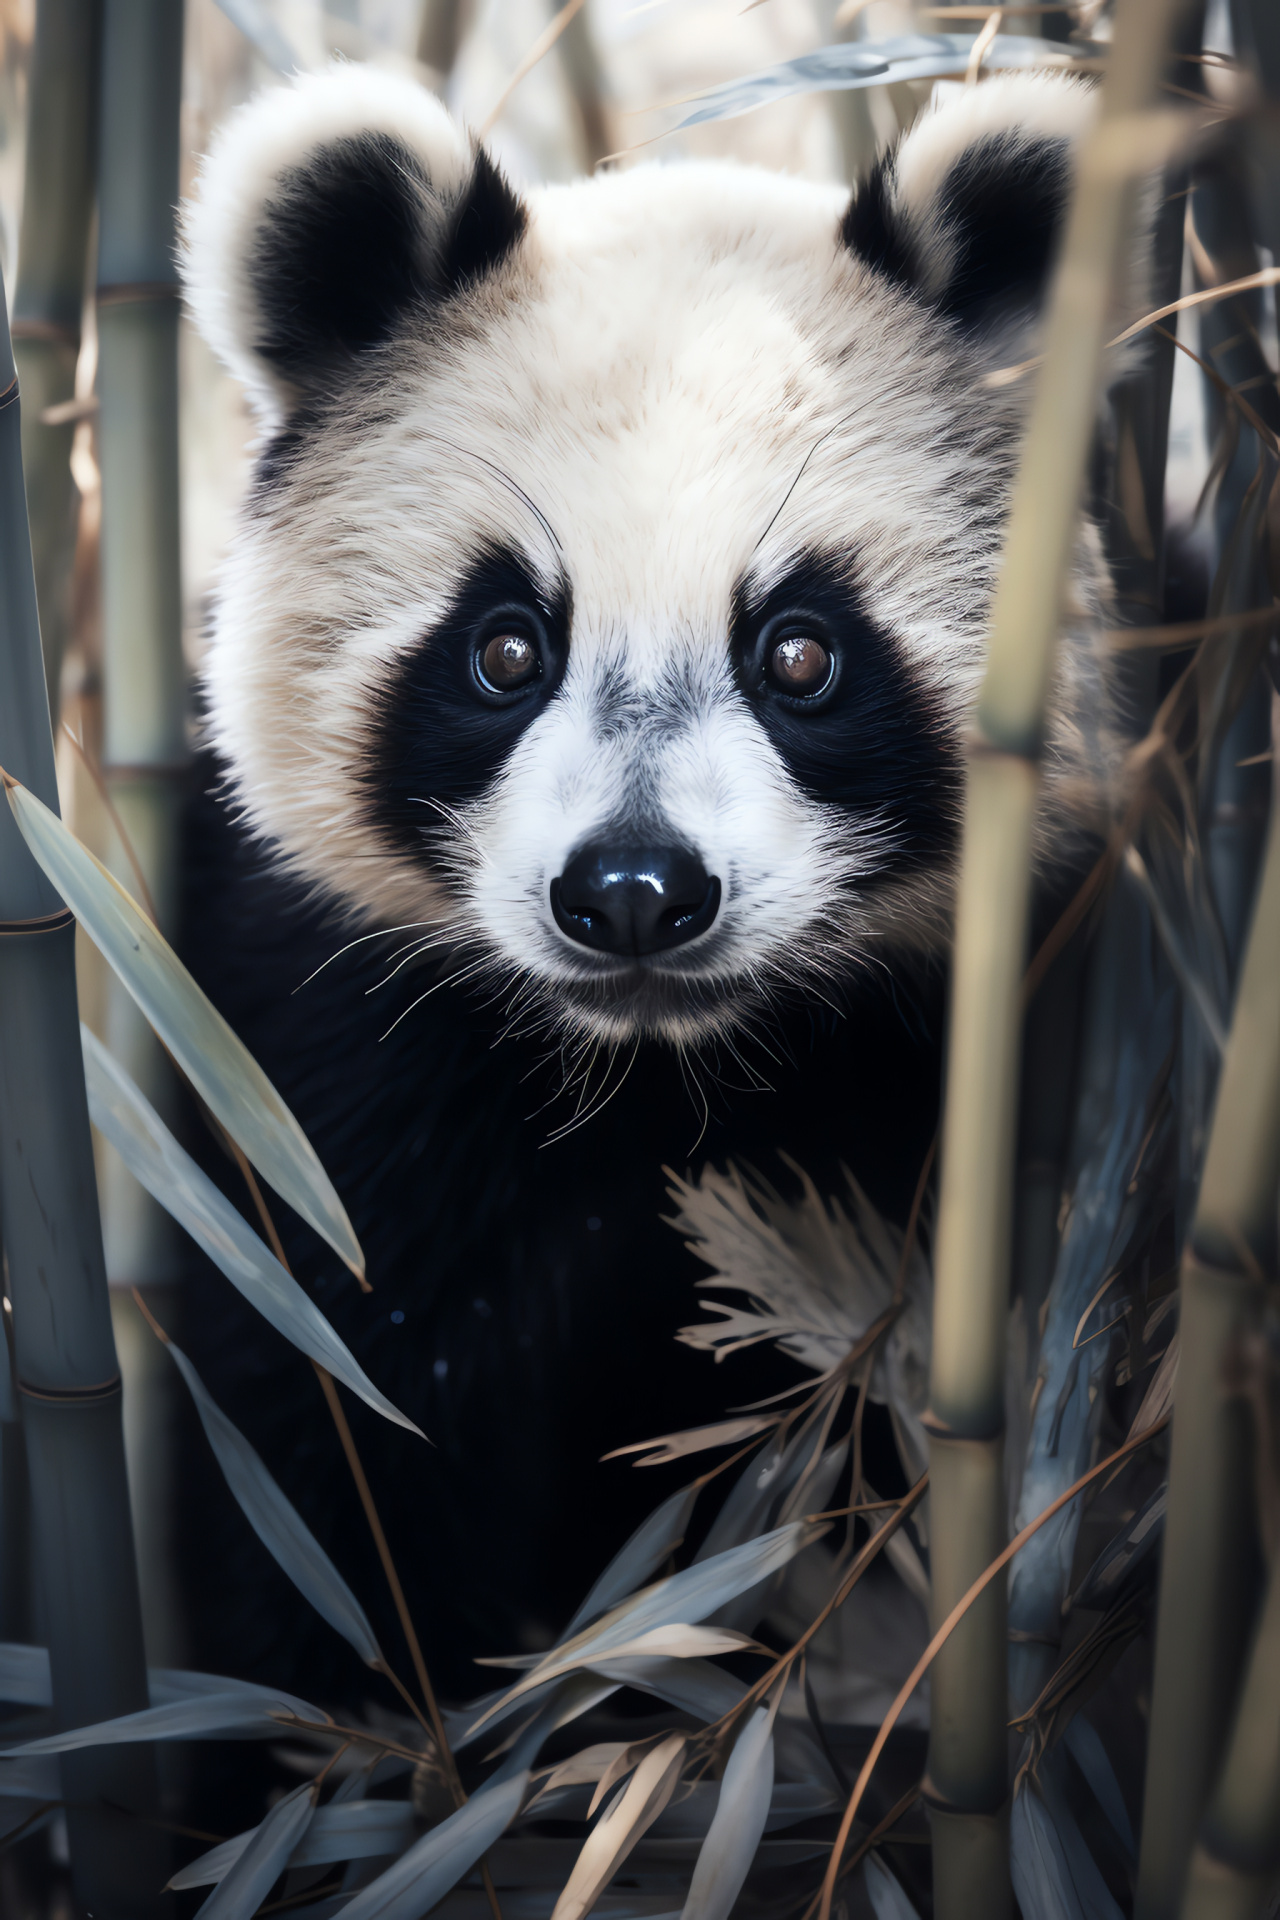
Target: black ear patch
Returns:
[983, 248]
[355, 237]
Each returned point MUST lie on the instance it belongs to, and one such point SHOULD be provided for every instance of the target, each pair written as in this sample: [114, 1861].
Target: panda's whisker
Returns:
[603, 1097]
[455, 819]
[448, 980]
[801, 470]
[504, 479]
[379, 933]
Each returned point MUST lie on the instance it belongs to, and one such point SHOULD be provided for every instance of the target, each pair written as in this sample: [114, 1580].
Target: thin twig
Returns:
[541, 46]
[98, 778]
[943, 1634]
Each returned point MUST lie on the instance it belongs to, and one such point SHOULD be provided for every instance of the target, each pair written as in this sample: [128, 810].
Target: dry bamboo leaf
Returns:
[676, 1446]
[625, 1821]
[1157, 1401]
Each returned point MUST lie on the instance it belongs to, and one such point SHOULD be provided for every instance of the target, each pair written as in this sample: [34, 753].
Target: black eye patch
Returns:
[872, 742]
[440, 733]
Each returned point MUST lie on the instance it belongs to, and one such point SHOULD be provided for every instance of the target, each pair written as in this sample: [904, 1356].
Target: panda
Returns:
[584, 707]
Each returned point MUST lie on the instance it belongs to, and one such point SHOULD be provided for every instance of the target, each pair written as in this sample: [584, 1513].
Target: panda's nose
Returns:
[634, 900]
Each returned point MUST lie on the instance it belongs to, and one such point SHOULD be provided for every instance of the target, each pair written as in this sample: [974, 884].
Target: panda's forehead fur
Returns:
[681, 389]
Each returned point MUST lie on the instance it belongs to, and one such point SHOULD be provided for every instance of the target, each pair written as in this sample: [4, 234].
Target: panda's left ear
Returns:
[327, 213]
[967, 211]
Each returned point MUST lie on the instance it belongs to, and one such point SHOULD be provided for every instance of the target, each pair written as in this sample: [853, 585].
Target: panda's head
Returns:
[613, 585]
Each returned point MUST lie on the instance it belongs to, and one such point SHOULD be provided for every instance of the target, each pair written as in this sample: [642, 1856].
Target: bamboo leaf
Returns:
[123, 1114]
[1083, 1742]
[262, 1860]
[581, 1769]
[870, 63]
[675, 1446]
[625, 1821]
[694, 1686]
[680, 1642]
[218, 1065]
[240, 1711]
[438, 1861]
[344, 1830]
[1125, 1552]
[262, 33]
[743, 1807]
[1054, 1873]
[884, 1890]
[686, 1596]
[278, 1523]
[639, 1559]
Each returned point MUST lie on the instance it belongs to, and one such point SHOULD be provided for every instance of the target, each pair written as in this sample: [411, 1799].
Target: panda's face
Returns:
[609, 601]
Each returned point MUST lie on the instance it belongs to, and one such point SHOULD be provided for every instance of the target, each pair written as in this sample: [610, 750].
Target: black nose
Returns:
[634, 900]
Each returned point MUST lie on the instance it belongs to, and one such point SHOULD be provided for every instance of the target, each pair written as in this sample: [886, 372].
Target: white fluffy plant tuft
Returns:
[816, 1275]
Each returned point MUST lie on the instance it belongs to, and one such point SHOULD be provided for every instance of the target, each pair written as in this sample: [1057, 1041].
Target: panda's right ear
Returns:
[327, 211]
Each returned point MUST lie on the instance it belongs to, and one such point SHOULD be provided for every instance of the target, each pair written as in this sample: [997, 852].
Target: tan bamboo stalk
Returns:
[584, 71]
[1206, 1582]
[143, 679]
[48, 298]
[967, 1785]
[1238, 1859]
[441, 25]
[67, 1379]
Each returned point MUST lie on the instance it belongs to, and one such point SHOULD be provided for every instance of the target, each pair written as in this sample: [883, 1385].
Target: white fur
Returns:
[670, 356]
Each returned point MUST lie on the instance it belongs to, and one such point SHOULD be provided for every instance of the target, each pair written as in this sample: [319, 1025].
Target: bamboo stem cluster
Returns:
[1208, 1585]
[967, 1786]
[67, 1378]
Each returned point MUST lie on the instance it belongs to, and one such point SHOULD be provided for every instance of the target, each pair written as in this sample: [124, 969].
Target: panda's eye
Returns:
[508, 662]
[799, 664]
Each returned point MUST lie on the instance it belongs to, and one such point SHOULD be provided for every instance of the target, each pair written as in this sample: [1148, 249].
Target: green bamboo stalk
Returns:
[48, 299]
[1208, 1580]
[143, 678]
[67, 1378]
[967, 1785]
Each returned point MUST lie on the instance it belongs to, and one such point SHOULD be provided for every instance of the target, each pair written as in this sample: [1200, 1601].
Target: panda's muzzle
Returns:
[634, 901]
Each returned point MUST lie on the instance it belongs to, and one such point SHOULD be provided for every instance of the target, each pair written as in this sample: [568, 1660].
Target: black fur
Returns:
[870, 230]
[356, 238]
[539, 1288]
[1002, 205]
[876, 745]
[433, 733]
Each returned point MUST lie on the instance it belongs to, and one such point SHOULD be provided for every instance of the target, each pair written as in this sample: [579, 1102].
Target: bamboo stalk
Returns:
[1207, 1583]
[584, 71]
[67, 1378]
[48, 298]
[143, 678]
[1236, 1863]
[441, 26]
[967, 1783]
